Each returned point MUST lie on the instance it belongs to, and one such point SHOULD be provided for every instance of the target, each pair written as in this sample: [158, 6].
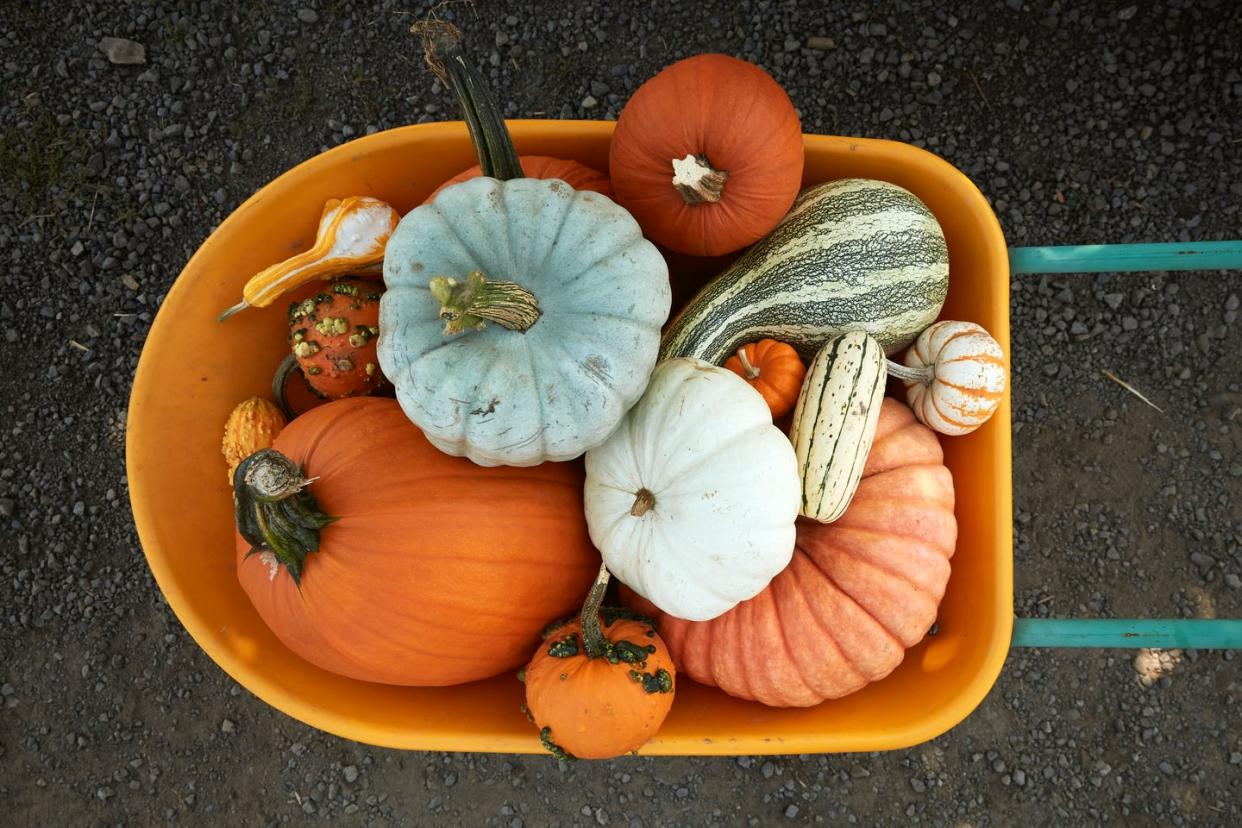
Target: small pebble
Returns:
[122, 51]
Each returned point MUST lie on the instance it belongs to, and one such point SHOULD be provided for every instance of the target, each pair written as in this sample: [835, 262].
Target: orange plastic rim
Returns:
[194, 369]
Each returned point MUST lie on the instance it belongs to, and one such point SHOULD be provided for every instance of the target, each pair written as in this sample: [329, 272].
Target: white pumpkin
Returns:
[692, 500]
[955, 377]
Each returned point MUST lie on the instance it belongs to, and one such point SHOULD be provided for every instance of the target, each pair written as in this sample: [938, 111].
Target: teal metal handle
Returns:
[1117, 258]
[1198, 634]
[1133, 633]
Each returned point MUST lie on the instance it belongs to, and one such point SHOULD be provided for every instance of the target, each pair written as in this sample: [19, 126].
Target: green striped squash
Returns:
[835, 422]
[854, 254]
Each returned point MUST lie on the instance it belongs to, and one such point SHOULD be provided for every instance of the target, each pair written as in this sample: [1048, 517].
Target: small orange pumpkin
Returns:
[707, 155]
[579, 176]
[602, 685]
[252, 425]
[332, 334]
[855, 596]
[772, 368]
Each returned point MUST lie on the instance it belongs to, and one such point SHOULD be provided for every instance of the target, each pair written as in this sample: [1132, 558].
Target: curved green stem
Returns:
[275, 512]
[442, 50]
[474, 301]
[287, 368]
[901, 372]
[594, 643]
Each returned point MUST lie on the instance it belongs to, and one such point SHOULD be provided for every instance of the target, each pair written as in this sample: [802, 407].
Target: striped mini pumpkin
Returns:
[962, 377]
[854, 254]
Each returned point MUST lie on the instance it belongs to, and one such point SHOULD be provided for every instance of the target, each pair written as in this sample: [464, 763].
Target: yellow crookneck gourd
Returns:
[353, 233]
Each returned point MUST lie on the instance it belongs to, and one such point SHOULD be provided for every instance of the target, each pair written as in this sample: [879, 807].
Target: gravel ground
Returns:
[1082, 122]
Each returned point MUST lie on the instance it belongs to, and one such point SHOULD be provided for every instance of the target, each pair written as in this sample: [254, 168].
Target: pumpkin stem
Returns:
[752, 373]
[696, 181]
[442, 50]
[238, 308]
[644, 502]
[287, 368]
[275, 512]
[594, 643]
[907, 374]
[474, 301]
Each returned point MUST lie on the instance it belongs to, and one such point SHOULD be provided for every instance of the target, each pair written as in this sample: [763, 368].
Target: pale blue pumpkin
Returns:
[503, 396]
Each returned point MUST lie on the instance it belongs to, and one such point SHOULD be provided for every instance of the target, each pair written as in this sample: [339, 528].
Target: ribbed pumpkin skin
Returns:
[725, 486]
[737, 116]
[852, 255]
[438, 572]
[856, 595]
[579, 176]
[504, 397]
[969, 377]
[597, 710]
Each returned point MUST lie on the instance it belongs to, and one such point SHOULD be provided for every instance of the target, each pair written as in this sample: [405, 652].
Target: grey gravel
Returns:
[1081, 124]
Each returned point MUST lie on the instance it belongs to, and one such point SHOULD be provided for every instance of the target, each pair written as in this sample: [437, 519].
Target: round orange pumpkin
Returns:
[435, 571]
[707, 155]
[772, 368]
[856, 595]
[602, 693]
[579, 176]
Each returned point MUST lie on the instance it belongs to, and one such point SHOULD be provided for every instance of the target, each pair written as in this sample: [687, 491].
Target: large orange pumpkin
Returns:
[579, 176]
[707, 155]
[436, 571]
[856, 595]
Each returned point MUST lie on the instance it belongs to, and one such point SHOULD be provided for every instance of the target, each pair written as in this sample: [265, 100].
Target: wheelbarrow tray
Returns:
[193, 370]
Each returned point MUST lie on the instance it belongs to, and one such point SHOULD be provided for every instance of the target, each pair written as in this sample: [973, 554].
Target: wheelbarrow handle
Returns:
[1116, 258]
[1195, 634]
[1199, 634]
